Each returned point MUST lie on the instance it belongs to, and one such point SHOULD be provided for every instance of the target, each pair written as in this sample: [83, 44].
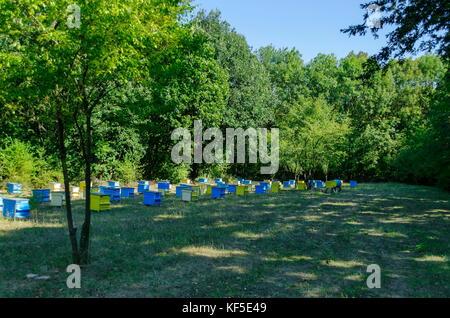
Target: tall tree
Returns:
[419, 25]
[73, 56]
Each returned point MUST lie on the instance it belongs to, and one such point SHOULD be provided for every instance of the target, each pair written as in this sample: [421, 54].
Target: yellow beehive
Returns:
[75, 191]
[100, 202]
[301, 185]
[202, 188]
[275, 187]
[241, 190]
[83, 188]
[196, 191]
[330, 184]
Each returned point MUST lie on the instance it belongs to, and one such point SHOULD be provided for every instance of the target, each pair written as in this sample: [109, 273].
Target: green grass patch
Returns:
[291, 244]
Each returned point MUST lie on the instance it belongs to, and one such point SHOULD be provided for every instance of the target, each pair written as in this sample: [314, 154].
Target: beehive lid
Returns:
[15, 199]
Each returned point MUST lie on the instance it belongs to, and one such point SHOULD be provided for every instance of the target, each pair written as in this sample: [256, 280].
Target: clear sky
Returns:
[311, 26]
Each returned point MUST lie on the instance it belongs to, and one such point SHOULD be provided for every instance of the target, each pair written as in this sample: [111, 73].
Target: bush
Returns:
[20, 163]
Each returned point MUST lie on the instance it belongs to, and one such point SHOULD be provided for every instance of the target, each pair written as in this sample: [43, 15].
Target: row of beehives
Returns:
[102, 196]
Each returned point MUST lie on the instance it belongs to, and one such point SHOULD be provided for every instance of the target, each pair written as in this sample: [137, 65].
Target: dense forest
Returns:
[350, 118]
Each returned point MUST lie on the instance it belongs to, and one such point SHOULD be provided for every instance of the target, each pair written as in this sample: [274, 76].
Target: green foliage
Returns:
[312, 138]
[127, 172]
[419, 25]
[16, 162]
[346, 118]
[250, 102]
[20, 163]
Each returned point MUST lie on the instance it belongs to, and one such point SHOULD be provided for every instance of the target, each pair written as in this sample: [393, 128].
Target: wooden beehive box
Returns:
[41, 195]
[275, 187]
[57, 198]
[190, 194]
[75, 192]
[152, 198]
[261, 189]
[218, 192]
[16, 208]
[301, 185]
[14, 188]
[127, 192]
[241, 190]
[100, 202]
[143, 186]
[55, 186]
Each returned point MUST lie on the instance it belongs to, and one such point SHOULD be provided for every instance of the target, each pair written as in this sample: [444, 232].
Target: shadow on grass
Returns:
[291, 244]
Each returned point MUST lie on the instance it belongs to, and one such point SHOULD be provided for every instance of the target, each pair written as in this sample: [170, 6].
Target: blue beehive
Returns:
[316, 184]
[114, 184]
[127, 192]
[1, 204]
[203, 180]
[143, 186]
[14, 188]
[218, 180]
[16, 208]
[292, 182]
[353, 183]
[338, 182]
[246, 181]
[152, 198]
[265, 184]
[218, 192]
[42, 195]
[231, 188]
[261, 189]
[320, 184]
[179, 189]
[286, 184]
[114, 193]
[163, 186]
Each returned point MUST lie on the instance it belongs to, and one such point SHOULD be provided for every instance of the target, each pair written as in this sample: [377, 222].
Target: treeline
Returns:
[349, 118]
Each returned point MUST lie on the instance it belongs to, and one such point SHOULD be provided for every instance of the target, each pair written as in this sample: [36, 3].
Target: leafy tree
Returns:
[72, 68]
[189, 84]
[313, 137]
[250, 102]
[419, 25]
[288, 76]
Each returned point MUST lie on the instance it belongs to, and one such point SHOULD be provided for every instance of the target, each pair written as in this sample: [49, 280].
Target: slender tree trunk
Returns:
[63, 156]
[85, 231]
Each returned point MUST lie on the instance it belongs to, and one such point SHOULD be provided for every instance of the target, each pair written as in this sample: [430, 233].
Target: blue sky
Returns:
[311, 26]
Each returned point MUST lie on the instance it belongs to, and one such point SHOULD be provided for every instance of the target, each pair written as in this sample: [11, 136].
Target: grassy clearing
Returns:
[292, 244]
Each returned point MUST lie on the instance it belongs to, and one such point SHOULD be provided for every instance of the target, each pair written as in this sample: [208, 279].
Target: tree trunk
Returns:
[85, 231]
[63, 157]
